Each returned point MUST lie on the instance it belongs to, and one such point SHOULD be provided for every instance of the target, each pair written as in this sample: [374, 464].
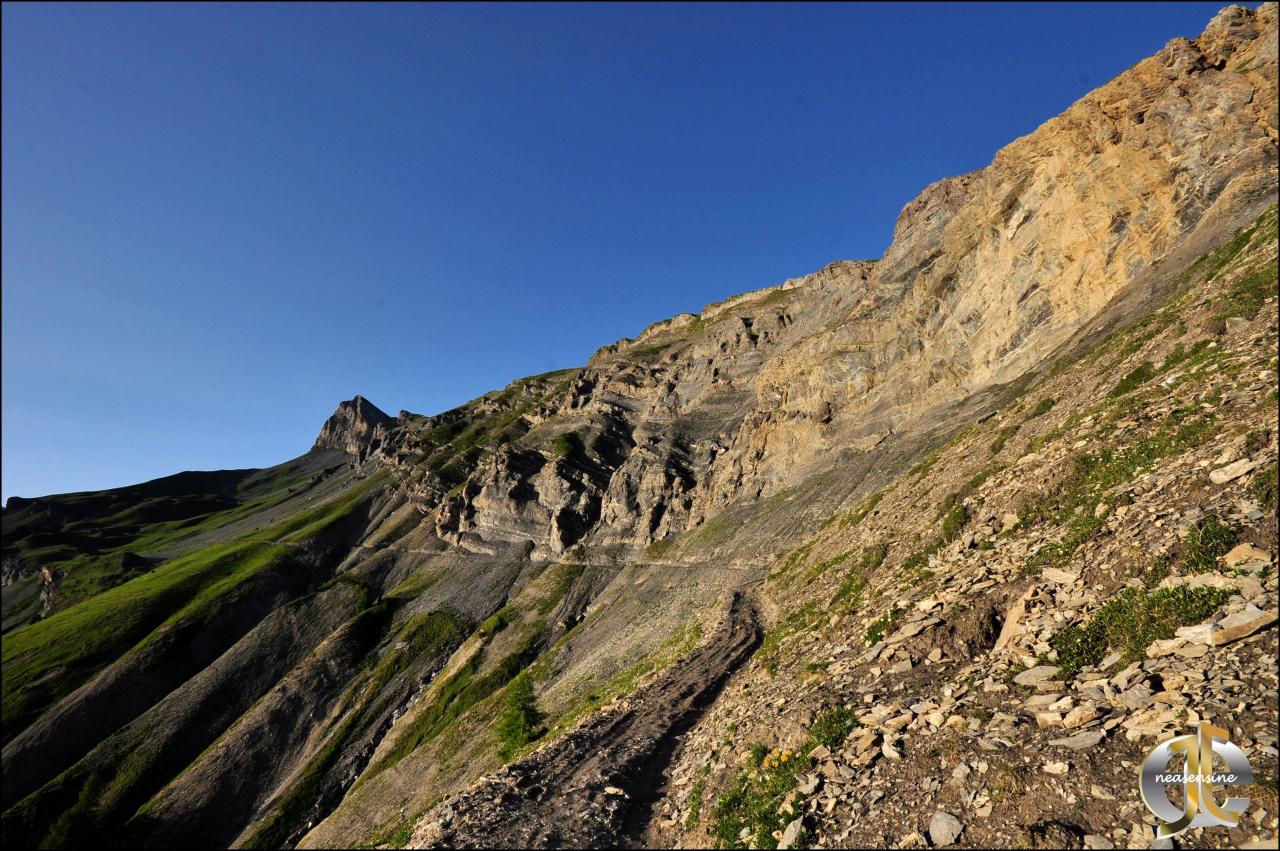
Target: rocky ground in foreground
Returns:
[1110, 579]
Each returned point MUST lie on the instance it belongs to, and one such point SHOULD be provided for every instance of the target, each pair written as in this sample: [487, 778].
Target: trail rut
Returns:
[595, 787]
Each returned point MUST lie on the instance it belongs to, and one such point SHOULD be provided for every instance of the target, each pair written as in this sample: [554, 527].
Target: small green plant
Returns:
[1143, 373]
[1246, 294]
[754, 804]
[849, 594]
[833, 727]
[872, 557]
[657, 549]
[1130, 621]
[881, 625]
[770, 648]
[520, 721]
[915, 567]
[861, 510]
[823, 566]
[1042, 407]
[1263, 487]
[1002, 437]
[1207, 541]
[954, 522]
[498, 621]
[694, 815]
[567, 445]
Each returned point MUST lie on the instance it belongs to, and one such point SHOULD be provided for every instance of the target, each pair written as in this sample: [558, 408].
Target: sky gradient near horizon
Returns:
[219, 221]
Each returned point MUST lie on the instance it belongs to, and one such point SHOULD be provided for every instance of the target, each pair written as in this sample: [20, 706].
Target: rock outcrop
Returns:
[357, 427]
[988, 275]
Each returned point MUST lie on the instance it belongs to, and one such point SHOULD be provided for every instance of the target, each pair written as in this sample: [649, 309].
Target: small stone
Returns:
[914, 839]
[1240, 625]
[613, 790]
[1079, 742]
[1059, 576]
[1055, 768]
[1013, 620]
[944, 829]
[1231, 472]
[1038, 674]
[1192, 651]
[1244, 553]
[1200, 633]
[1164, 647]
[1097, 840]
[1048, 719]
[791, 833]
[1080, 716]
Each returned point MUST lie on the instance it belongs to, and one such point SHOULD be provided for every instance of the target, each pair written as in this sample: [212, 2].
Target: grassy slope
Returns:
[98, 540]
[47, 659]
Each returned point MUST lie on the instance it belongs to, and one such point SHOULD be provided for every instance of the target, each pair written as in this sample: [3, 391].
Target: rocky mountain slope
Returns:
[988, 516]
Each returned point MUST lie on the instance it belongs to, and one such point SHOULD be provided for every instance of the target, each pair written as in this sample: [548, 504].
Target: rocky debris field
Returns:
[1103, 576]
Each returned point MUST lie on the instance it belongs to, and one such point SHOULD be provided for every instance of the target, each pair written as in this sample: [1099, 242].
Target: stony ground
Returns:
[978, 725]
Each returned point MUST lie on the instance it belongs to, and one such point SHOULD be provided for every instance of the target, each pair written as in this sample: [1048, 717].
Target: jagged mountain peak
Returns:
[355, 427]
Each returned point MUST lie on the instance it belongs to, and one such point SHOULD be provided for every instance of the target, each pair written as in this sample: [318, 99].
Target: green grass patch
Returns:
[1130, 621]
[658, 549]
[1140, 375]
[1002, 437]
[1093, 474]
[1263, 487]
[567, 445]
[823, 566]
[429, 632]
[49, 658]
[855, 516]
[693, 816]
[953, 522]
[750, 813]
[459, 693]
[872, 557]
[498, 621]
[881, 625]
[624, 682]
[1042, 407]
[770, 650]
[849, 595]
[1207, 540]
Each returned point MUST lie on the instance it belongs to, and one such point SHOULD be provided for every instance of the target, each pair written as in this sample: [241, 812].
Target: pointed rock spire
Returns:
[356, 427]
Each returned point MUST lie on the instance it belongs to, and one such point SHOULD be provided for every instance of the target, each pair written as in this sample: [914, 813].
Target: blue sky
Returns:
[219, 221]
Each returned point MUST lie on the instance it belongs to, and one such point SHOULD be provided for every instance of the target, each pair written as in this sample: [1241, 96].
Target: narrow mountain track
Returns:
[596, 786]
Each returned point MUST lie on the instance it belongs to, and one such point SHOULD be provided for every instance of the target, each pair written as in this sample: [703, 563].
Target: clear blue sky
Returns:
[219, 221]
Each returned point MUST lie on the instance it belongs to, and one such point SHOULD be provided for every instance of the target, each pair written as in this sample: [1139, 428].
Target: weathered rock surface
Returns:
[923, 471]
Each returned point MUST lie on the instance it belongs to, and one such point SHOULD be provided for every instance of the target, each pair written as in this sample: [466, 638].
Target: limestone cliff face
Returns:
[357, 427]
[987, 274]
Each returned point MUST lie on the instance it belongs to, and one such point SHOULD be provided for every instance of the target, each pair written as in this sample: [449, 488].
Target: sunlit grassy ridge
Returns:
[45, 660]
